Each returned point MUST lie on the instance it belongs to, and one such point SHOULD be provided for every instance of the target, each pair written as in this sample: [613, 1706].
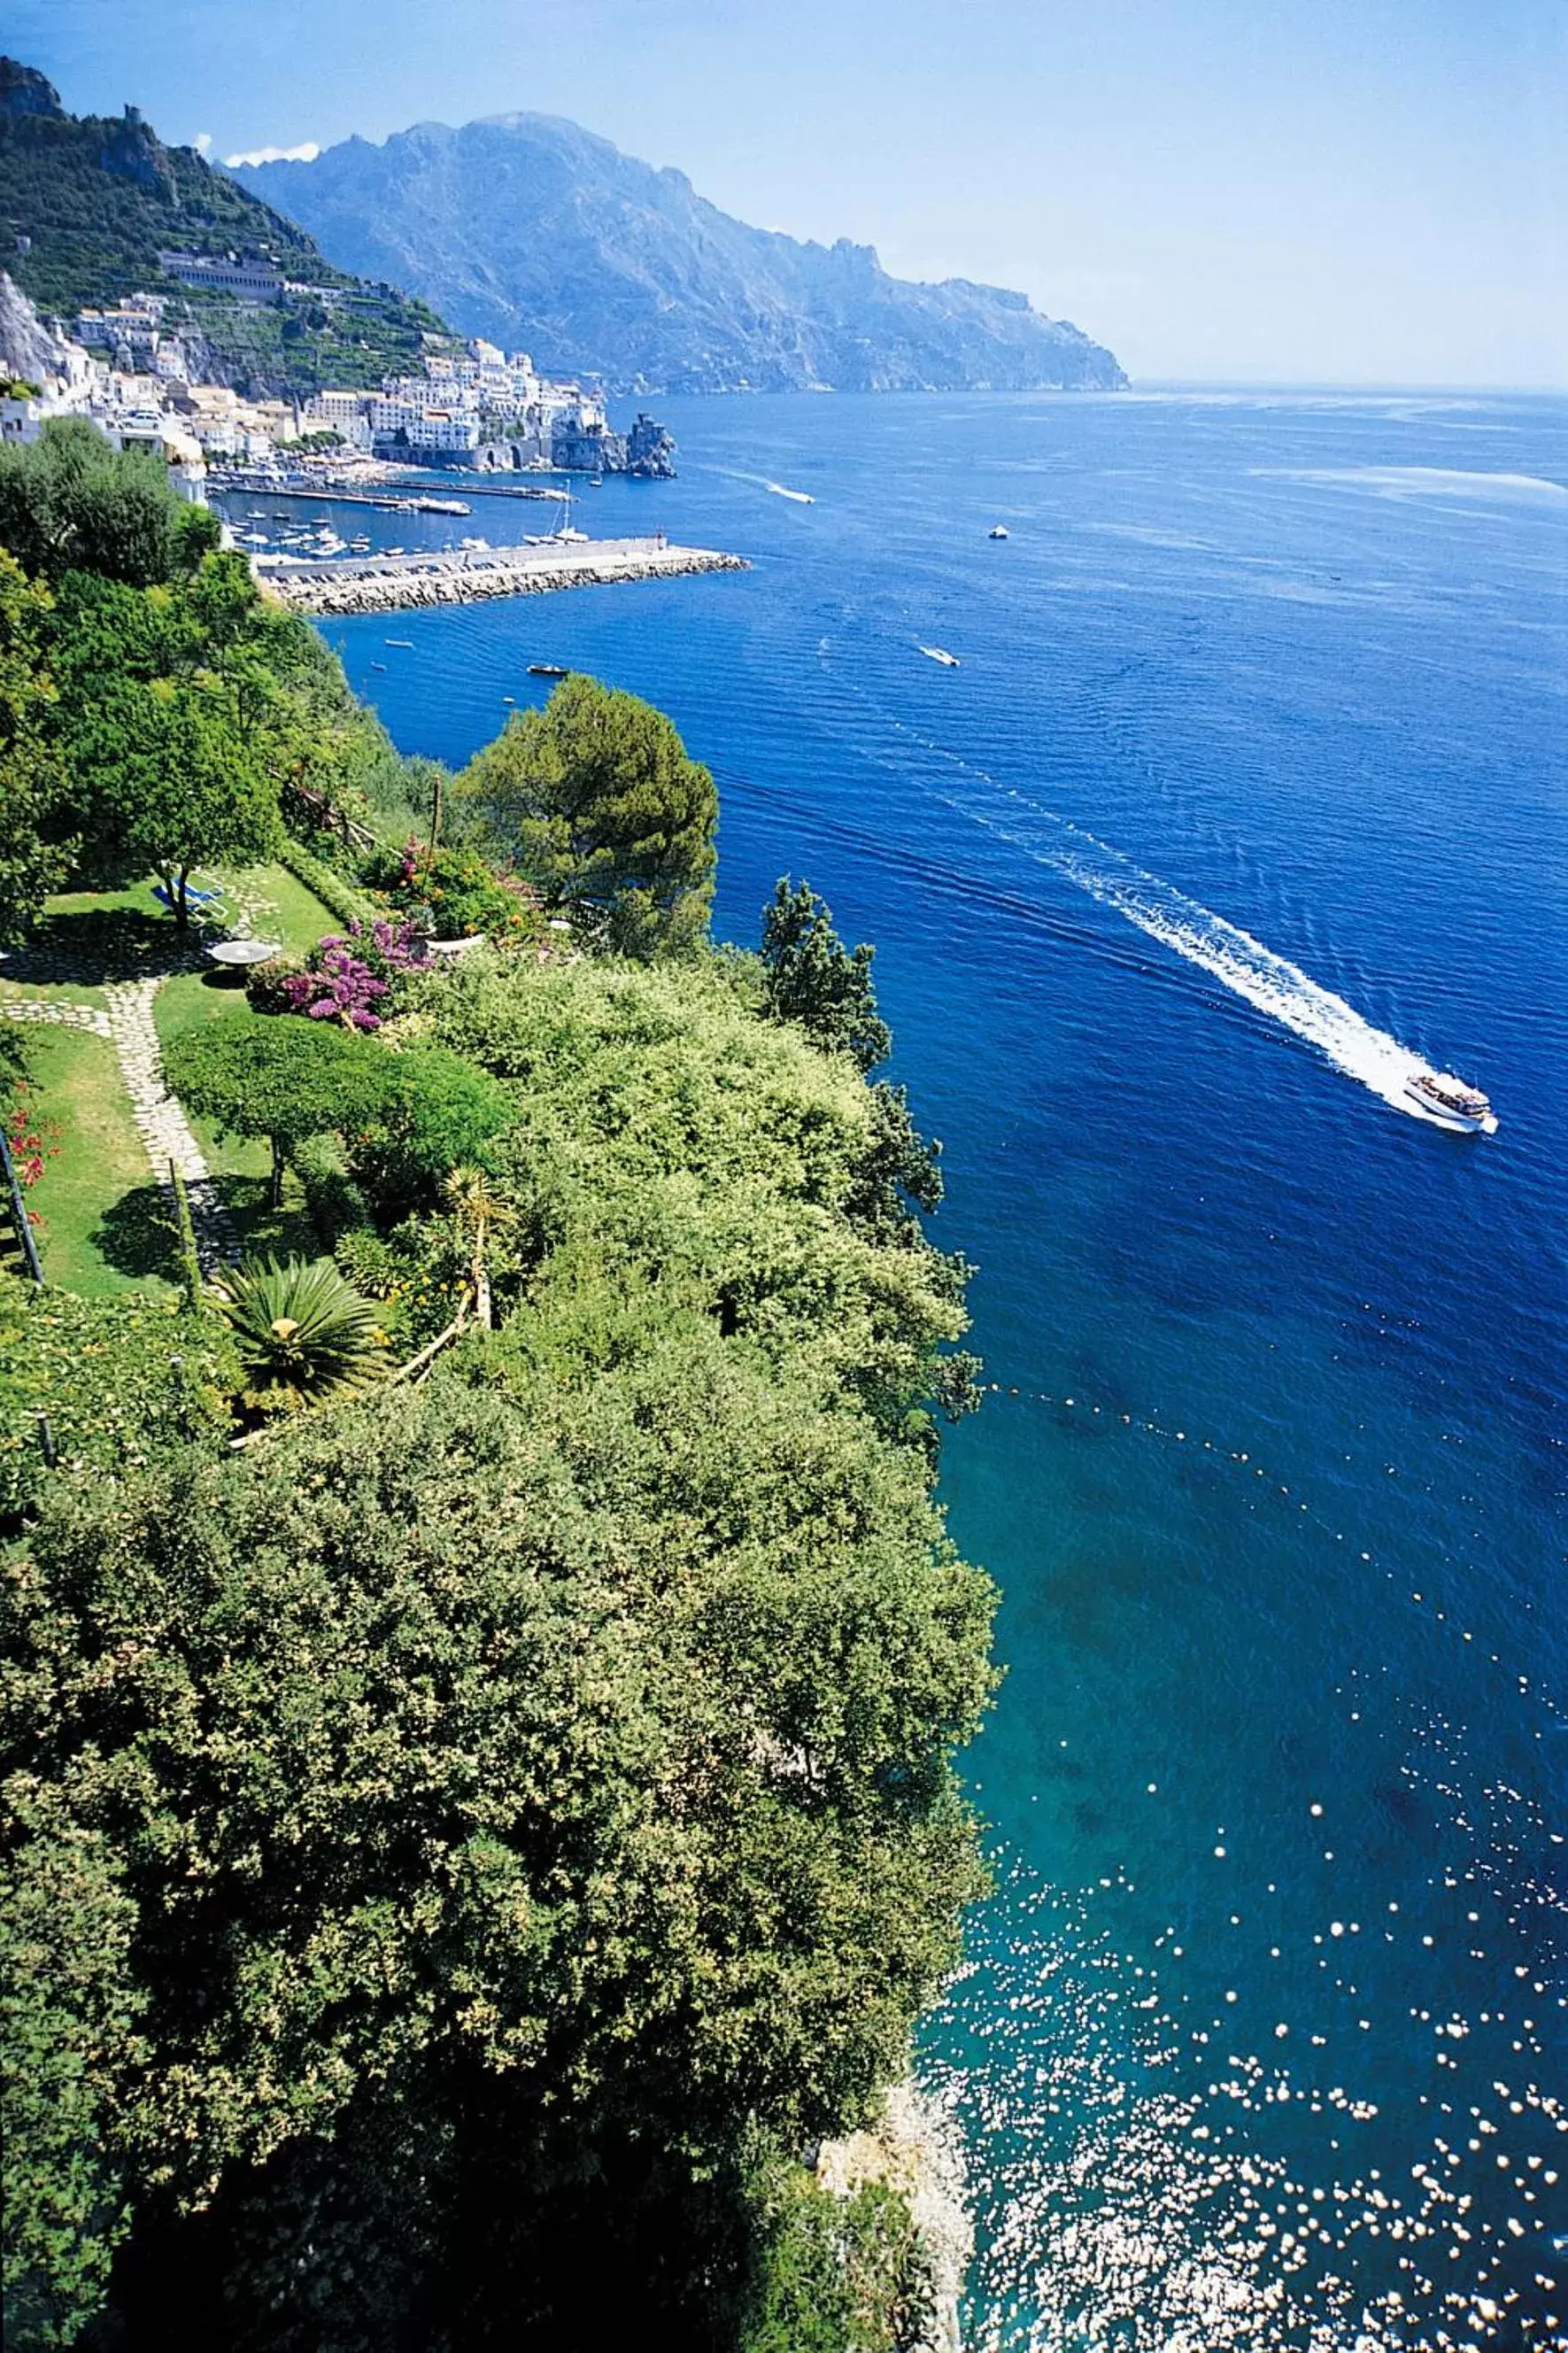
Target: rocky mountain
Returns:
[532, 232]
[87, 204]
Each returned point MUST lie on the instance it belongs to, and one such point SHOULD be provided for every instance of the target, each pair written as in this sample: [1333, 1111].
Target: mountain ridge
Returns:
[533, 231]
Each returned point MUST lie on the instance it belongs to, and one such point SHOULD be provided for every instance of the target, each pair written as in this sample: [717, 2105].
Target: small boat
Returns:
[403, 645]
[1448, 1100]
[547, 670]
[998, 530]
[378, 665]
[940, 654]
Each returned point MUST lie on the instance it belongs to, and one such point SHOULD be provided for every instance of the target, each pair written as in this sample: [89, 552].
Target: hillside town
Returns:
[137, 373]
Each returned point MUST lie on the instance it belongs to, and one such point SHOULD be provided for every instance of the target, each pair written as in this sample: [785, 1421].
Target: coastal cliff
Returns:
[90, 203]
[529, 230]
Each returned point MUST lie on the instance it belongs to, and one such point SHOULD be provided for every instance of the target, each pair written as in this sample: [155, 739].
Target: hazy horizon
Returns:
[1228, 194]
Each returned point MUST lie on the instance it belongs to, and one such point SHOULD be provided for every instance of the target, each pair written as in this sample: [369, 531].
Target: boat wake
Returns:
[1269, 982]
[801, 498]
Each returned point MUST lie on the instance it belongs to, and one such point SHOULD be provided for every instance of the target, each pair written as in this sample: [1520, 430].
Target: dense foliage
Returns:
[466, 1835]
[454, 893]
[70, 501]
[283, 1079]
[677, 1847]
[597, 800]
[812, 978]
[836, 2275]
[32, 780]
[186, 711]
[117, 1380]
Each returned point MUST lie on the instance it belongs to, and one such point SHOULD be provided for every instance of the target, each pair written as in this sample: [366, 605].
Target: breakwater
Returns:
[395, 583]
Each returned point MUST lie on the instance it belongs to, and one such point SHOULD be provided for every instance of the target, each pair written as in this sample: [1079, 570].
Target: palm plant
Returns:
[304, 1334]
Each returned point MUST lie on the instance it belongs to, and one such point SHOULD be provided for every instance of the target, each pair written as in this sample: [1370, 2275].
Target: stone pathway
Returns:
[160, 1122]
[128, 1024]
[57, 1009]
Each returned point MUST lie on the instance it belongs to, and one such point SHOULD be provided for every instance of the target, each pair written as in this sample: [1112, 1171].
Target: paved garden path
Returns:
[57, 1009]
[162, 1124]
[128, 1024]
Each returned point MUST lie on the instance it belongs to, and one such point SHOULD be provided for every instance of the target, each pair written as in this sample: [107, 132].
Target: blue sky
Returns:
[1344, 191]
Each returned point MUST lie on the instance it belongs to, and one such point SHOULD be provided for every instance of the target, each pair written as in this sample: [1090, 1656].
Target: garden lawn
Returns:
[104, 1222]
[281, 909]
[106, 1219]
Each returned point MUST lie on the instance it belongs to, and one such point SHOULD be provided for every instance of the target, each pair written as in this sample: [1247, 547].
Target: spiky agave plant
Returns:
[304, 1334]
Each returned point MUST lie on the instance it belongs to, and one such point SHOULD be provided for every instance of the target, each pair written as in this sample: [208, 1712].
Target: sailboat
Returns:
[566, 530]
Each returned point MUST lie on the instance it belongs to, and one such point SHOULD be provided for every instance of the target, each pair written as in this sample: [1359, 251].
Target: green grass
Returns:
[105, 1216]
[104, 1220]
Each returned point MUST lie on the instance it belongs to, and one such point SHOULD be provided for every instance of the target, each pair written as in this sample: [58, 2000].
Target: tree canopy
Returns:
[283, 1079]
[812, 978]
[490, 1790]
[32, 780]
[597, 800]
[71, 502]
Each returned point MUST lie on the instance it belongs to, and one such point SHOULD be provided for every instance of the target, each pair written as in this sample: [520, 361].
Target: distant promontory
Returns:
[531, 231]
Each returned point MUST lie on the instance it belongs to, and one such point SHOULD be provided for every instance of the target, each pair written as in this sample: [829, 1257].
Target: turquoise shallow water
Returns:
[1250, 790]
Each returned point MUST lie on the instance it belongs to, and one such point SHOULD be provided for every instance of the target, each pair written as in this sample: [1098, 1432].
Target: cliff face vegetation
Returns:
[98, 197]
[530, 230]
[479, 1696]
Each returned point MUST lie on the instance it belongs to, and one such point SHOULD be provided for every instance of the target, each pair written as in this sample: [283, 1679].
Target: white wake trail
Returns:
[1269, 982]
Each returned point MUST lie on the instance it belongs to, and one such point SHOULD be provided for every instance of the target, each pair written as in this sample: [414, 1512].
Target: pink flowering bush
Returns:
[351, 974]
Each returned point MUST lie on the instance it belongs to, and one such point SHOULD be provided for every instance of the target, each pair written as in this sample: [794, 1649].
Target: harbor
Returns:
[400, 583]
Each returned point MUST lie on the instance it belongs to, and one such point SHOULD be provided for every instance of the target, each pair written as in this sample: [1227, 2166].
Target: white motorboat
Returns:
[998, 530]
[940, 654]
[1448, 1100]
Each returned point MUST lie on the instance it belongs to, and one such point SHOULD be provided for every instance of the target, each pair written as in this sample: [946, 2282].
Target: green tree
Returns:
[71, 502]
[519, 1793]
[436, 1112]
[597, 800]
[173, 782]
[32, 781]
[812, 978]
[283, 1079]
[69, 2012]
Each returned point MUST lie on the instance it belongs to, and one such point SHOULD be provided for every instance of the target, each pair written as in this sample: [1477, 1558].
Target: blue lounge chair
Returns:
[194, 899]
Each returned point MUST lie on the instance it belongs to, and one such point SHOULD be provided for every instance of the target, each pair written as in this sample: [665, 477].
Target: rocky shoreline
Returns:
[403, 584]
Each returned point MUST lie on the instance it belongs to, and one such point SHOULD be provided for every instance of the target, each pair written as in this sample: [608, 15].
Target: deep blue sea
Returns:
[1249, 793]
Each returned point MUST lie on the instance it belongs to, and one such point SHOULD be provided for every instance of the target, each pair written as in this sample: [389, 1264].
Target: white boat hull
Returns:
[1458, 1122]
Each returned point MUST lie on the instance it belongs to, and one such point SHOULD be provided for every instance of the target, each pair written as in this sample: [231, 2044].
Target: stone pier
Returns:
[399, 584]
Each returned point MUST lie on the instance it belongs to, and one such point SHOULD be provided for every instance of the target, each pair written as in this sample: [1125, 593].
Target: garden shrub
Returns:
[456, 894]
[120, 1381]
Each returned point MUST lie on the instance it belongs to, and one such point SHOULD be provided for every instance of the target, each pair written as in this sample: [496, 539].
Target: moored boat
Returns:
[1448, 1100]
[547, 670]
